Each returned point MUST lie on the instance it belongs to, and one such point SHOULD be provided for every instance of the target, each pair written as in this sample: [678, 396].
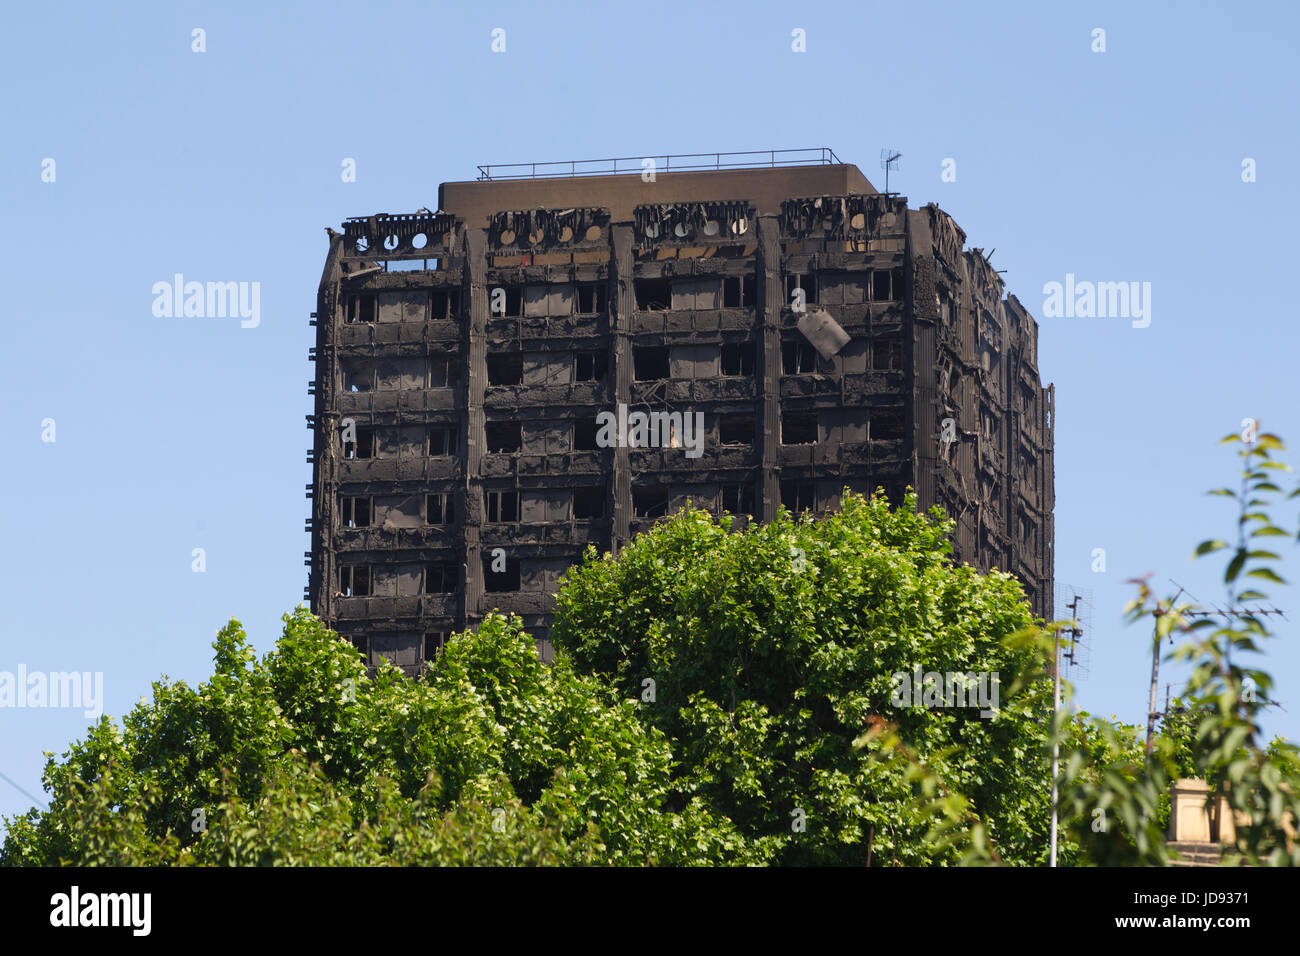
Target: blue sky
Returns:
[174, 434]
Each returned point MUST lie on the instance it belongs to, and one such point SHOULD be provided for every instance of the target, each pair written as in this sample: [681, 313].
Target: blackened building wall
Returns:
[463, 356]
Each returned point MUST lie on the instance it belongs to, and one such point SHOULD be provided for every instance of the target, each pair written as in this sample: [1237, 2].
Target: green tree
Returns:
[302, 758]
[763, 655]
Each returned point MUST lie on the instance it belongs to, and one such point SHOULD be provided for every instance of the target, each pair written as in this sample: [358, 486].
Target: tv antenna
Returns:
[1068, 644]
[1152, 714]
[1076, 604]
[889, 160]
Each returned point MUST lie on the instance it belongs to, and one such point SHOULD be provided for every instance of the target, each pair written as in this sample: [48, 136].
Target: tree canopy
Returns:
[302, 758]
[769, 651]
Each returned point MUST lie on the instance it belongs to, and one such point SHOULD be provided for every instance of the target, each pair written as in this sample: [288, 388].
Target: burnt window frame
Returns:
[435, 641]
[589, 492]
[450, 299]
[730, 420]
[596, 292]
[599, 363]
[348, 375]
[446, 504]
[347, 511]
[745, 498]
[512, 573]
[356, 580]
[651, 291]
[580, 426]
[497, 443]
[512, 361]
[656, 510]
[366, 441]
[798, 357]
[361, 308]
[891, 347]
[450, 366]
[801, 280]
[801, 488]
[641, 357]
[882, 417]
[742, 354]
[445, 574]
[514, 304]
[800, 420]
[501, 506]
[449, 436]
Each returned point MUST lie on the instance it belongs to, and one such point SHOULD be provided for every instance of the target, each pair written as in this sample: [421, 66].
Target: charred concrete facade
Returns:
[830, 336]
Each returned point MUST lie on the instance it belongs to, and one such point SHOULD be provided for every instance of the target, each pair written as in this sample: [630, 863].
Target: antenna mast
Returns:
[889, 160]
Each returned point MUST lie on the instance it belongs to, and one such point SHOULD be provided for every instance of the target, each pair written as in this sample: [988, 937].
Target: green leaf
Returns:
[1265, 573]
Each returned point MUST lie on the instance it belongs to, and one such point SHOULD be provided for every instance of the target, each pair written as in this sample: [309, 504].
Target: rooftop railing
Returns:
[676, 163]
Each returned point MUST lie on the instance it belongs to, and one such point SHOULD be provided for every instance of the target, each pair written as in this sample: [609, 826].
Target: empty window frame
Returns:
[354, 511]
[592, 298]
[437, 509]
[360, 308]
[738, 498]
[434, 642]
[650, 501]
[885, 424]
[362, 645]
[589, 502]
[798, 357]
[364, 446]
[736, 429]
[504, 438]
[738, 292]
[505, 579]
[738, 358]
[442, 440]
[799, 428]
[444, 303]
[886, 285]
[505, 368]
[584, 434]
[358, 376]
[798, 495]
[806, 282]
[506, 301]
[354, 580]
[653, 294]
[444, 371]
[589, 366]
[886, 353]
[441, 577]
[650, 362]
[501, 506]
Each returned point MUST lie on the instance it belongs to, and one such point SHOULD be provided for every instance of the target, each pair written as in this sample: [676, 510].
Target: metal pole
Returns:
[1056, 746]
[1152, 713]
[1151, 703]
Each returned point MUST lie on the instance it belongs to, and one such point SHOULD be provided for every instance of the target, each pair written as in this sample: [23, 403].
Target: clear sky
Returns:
[179, 433]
